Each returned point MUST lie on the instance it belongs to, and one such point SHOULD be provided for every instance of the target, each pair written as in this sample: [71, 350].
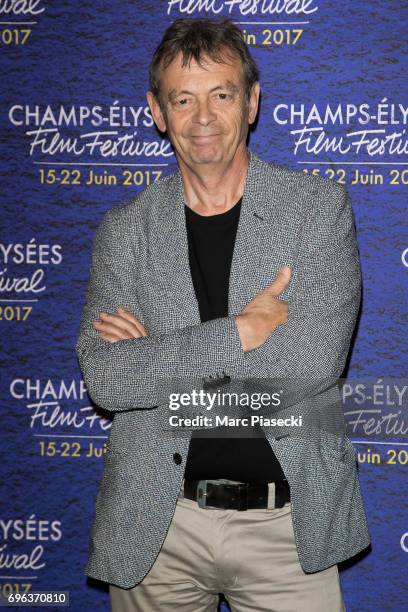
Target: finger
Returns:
[109, 337]
[131, 317]
[113, 324]
[110, 329]
[281, 281]
[126, 314]
[111, 333]
[121, 323]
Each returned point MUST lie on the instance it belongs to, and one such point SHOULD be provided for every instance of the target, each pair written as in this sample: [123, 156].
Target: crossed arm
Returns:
[304, 342]
[255, 322]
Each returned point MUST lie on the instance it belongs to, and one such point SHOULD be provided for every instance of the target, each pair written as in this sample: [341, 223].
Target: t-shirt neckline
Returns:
[219, 218]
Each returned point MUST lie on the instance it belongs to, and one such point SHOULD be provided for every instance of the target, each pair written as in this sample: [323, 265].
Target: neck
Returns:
[211, 190]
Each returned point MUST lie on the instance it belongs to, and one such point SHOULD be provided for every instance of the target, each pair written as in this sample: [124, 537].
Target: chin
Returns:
[207, 157]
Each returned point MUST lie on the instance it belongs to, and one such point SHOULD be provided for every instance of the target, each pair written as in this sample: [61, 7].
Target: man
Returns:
[230, 271]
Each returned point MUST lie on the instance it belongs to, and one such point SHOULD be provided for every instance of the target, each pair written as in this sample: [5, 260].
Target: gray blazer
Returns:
[140, 262]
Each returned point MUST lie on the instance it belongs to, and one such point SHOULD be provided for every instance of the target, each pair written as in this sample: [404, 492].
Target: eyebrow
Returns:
[227, 85]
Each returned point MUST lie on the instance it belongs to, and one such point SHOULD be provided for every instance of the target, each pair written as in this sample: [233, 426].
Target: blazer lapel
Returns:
[258, 241]
[172, 257]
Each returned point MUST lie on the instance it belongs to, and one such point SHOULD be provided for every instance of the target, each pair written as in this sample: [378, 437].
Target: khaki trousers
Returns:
[250, 556]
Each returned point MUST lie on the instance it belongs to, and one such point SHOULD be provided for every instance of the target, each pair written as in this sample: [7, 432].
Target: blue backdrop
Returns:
[77, 138]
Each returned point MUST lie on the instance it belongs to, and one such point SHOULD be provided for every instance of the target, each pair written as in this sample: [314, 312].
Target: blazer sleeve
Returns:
[300, 358]
[141, 372]
[308, 353]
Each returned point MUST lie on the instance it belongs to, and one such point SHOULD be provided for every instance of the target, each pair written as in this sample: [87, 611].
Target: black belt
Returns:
[239, 496]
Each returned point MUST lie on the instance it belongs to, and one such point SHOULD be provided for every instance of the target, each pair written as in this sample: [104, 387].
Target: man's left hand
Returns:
[121, 326]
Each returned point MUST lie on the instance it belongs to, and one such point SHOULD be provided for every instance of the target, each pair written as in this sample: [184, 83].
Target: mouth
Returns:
[203, 136]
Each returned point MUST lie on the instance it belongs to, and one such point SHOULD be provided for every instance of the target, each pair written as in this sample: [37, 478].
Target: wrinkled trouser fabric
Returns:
[250, 556]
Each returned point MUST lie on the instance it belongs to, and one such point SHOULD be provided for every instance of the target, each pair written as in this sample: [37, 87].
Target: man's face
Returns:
[204, 109]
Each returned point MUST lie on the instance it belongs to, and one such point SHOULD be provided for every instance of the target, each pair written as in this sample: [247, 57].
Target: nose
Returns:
[204, 113]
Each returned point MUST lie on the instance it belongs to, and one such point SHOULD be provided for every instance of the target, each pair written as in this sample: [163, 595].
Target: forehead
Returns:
[205, 73]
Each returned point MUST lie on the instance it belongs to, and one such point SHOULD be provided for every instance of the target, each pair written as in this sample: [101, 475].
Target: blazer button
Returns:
[177, 458]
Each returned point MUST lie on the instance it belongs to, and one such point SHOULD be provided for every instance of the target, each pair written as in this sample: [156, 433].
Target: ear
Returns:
[253, 102]
[156, 111]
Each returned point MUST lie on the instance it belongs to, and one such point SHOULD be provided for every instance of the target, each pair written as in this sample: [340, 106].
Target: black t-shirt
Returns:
[247, 459]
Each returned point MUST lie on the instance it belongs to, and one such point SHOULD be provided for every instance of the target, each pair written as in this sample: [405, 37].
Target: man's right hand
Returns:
[258, 319]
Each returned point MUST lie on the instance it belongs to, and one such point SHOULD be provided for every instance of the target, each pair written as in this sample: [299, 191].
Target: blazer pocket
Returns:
[344, 453]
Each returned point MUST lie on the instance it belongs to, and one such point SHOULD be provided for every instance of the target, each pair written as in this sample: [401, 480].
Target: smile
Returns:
[204, 137]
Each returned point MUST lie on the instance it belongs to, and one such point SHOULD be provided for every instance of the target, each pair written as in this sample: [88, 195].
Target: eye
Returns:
[182, 102]
[222, 96]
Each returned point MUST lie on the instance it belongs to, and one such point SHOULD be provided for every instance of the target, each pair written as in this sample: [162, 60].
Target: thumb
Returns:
[281, 280]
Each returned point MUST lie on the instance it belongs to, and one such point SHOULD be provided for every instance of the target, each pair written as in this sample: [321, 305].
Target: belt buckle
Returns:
[202, 492]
